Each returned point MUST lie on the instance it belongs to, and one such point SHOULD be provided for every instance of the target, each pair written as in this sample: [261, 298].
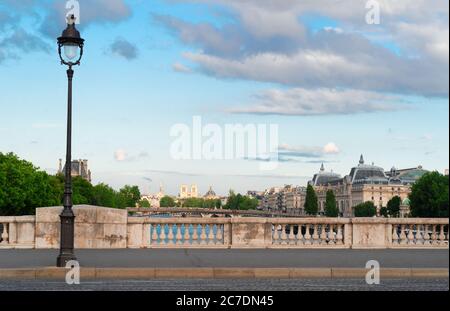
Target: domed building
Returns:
[324, 178]
[364, 183]
[210, 195]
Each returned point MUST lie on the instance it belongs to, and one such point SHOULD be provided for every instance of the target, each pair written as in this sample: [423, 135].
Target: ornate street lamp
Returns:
[73, 51]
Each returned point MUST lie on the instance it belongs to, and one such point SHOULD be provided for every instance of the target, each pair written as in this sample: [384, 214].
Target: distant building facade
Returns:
[187, 192]
[78, 168]
[211, 195]
[288, 199]
[364, 183]
[154, 199]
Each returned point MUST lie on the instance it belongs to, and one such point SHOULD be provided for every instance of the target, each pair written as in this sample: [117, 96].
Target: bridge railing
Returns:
[178, 232]
[311, 232]
[247, 232]
[419, 232]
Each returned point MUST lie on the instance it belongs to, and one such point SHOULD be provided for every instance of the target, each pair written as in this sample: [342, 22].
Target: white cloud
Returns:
[267, 41]
[287, 150]
[310, 102]
[178, 67]
[331, 148]
[120, 155]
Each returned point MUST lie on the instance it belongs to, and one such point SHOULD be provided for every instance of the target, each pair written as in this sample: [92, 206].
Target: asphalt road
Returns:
[230, 285]
[182, 258]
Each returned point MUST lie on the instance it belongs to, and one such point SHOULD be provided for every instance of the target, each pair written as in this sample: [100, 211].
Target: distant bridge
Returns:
[185, 212]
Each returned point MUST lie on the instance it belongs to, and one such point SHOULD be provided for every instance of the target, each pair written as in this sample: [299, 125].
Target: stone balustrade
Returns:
[17, 231]
[311, 233]
[97, 227]
[178, 232]
[419, 232]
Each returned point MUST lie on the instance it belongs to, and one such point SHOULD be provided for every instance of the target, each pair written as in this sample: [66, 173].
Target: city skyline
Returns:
[336, 86]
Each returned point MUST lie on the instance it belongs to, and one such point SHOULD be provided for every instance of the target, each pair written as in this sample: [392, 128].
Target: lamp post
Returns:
[72, 43]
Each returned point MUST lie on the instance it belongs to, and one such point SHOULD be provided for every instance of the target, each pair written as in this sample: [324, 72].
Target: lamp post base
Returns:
[63, 259]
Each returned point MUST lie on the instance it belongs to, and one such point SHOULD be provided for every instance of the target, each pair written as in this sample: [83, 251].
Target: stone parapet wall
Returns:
[106, 228]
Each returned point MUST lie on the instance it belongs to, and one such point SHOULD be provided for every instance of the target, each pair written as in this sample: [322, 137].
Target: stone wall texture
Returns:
[95, 227]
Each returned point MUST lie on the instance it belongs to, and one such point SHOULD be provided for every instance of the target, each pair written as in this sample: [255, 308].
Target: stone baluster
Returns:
[195, 234]
[283, 234]
[434, 236]
[426, 235]
[162, 235]
[395, 237]
[211, 234]
[291, 235]
[187, 234]
[441, 235]
[170, 235]
[203, 234]
[411, 235]
[315, 235]
[339, 235]
[402, 235]
[331, 237]
[307, 235]
[219, 234]
[323, 235]
[154, 234]
[179, 236]
[300, 236]
[5, 236]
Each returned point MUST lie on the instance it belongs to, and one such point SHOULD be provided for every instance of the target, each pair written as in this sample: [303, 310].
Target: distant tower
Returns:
[194, 191]
[322, 168]
[361, 160]
[60, 167]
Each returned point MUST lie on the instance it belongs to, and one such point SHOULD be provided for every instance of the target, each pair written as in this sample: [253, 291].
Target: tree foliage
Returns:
[167, 201]
[311, 203]
[429, 196]
[24, 187]
[240, 202]
[331, 209]
[393, 207]
[366, 209]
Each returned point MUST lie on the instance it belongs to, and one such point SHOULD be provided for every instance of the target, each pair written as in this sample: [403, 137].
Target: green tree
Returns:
[24, 187]
[193, 203]
[311, 204]
[240, 202]
[384, 211]
[393, 206]
[331, 209]
[167, 201]
[429, 196]
[144, 204]
[128, 196]
[366, 209]
[83, 191]
[104, 195]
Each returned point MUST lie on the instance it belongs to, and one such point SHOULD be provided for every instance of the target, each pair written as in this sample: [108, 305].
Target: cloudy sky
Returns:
[337, 86]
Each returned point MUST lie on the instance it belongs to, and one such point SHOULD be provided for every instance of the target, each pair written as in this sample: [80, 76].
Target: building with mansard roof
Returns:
[366, 182]
[78, 168]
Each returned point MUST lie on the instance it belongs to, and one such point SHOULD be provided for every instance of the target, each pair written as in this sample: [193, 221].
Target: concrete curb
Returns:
[221, 273]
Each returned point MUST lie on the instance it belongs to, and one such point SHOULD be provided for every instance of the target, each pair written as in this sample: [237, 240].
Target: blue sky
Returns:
[313, 67]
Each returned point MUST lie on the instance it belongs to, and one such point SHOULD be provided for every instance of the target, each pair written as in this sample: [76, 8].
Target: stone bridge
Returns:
[105, 228]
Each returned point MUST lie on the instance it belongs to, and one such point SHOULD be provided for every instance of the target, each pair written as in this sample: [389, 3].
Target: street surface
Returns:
[260, 258]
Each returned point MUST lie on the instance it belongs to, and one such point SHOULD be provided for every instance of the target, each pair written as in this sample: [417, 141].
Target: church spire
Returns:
[361, 160]
[322, 168]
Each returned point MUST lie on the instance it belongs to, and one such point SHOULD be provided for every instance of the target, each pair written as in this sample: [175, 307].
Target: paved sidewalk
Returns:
[261, 258]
